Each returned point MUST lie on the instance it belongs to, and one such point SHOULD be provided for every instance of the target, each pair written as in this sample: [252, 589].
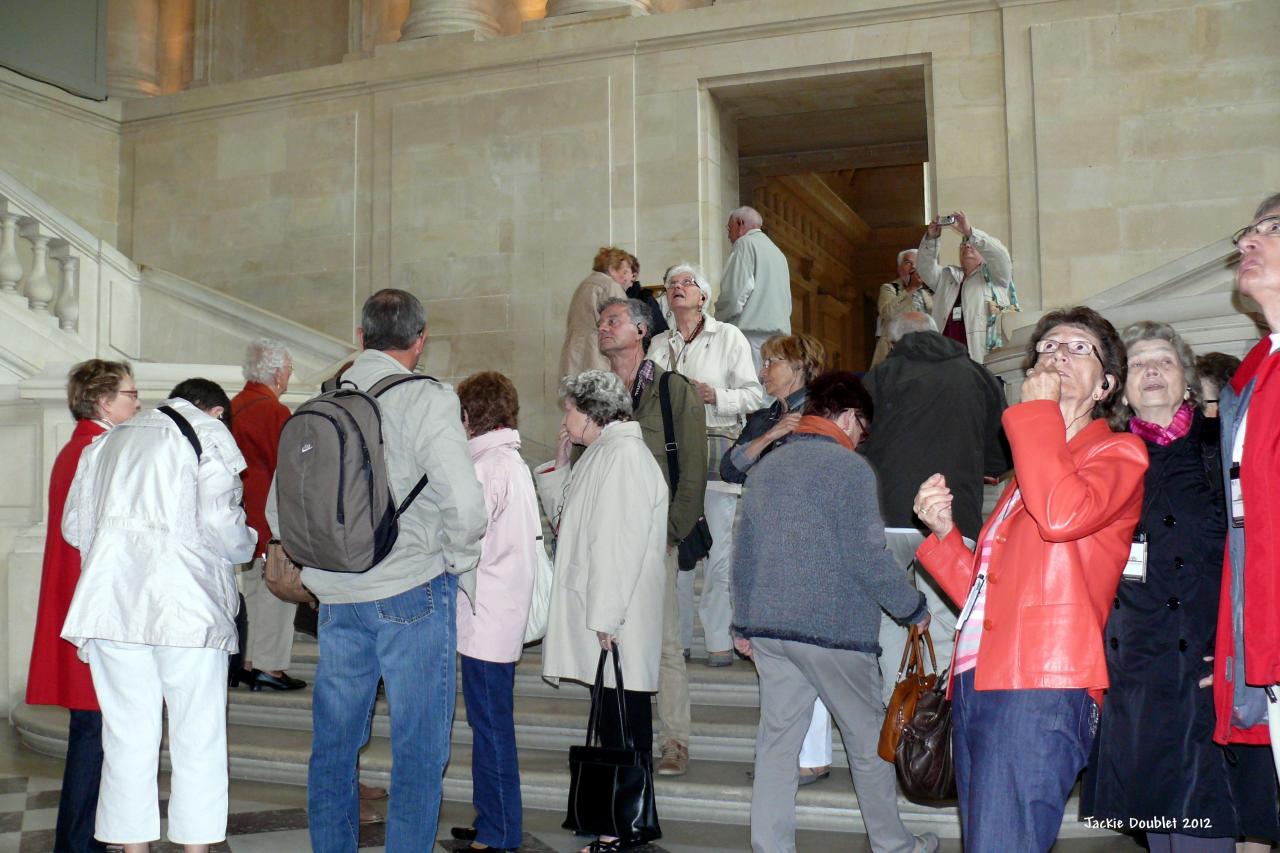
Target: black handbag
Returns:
[697, 544]
[923, 761]
[611, 788]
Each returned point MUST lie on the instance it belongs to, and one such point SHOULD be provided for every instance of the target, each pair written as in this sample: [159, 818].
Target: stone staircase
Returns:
[270, 739]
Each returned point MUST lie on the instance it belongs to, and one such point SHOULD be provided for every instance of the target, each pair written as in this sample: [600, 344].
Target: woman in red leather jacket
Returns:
[1029, 667]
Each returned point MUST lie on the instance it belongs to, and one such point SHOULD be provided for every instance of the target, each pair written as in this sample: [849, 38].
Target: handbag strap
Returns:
[669, 431]
[597, 690]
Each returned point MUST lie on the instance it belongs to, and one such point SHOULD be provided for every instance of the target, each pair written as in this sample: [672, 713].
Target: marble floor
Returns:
[268, 818]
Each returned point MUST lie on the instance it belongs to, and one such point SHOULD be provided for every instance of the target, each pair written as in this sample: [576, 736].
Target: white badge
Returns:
[956, 315]
[1237, 498]
[1135, 568]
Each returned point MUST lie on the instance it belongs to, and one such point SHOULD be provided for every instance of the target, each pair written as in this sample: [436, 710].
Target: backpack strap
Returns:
[381, 387]
[185, 427]
[669, 430]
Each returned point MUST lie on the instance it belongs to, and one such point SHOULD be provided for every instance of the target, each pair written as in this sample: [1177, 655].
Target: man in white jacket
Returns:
[155, 511]
[964, 296]
[755, 290]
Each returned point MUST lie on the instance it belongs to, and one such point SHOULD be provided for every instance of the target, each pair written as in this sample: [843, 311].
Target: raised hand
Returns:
[933, 505]
[1042, 383]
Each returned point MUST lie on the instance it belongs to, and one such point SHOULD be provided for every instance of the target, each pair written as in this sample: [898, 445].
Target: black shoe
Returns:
[463, 833]
[247, 677]
[282, 682]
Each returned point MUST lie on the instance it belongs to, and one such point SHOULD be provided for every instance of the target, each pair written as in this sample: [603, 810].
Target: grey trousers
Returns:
[673, 679]
[791, 675]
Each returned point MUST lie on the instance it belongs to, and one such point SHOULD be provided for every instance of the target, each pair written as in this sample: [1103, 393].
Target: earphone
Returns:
[1106, 383]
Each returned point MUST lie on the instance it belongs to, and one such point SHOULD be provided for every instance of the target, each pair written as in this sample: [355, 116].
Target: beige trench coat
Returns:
[610, 565]
[581, 349]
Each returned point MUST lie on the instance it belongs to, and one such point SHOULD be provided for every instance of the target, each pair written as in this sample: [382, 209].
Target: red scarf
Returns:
[815, 425]
[1261, 486]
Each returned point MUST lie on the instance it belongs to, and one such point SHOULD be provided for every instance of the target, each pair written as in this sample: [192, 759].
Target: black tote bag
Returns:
[611, 789]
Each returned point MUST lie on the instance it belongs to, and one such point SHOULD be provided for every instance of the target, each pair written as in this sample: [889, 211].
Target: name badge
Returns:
[956, 315]
[1135, 568]
[1237, 498]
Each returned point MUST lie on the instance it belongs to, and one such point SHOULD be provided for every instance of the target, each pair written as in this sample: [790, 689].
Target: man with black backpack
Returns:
[384, 612]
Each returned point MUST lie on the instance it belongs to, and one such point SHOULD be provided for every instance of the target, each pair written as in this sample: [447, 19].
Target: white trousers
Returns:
[816, 749]
[270, 642]
[715, 611]
[134, 682]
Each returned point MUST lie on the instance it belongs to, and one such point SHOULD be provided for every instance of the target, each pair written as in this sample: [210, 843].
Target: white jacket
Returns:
[755, 289]
[721, 357]
[946, 282]
[158, 534]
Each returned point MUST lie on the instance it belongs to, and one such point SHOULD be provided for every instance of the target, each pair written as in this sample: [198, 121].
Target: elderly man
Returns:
[936, 411]
[755, 290]
[964, 297]
[624, 330]
[395, 622]
[905, 293]
[257, 418]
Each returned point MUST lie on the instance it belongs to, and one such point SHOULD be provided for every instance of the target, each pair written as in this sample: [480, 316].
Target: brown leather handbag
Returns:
[925, 765]
[911, 685]
[284, 577]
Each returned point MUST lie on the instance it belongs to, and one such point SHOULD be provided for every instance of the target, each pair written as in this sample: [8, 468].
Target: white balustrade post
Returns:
[67, 308]
[36, 287]
[10, 266]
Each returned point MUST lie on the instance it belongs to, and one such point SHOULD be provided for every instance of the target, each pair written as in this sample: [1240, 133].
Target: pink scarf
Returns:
[1163, 436]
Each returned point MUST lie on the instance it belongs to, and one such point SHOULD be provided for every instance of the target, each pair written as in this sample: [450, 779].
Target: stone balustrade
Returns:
[28, 275]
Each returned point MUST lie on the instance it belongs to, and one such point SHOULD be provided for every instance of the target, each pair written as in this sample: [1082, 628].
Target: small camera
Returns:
[946, 220]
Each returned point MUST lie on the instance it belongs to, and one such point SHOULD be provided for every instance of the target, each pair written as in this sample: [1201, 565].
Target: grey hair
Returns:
[392, 320]
[599, 395]
[1145, 330]
[637, 312]
[748, 216]
[1270, 203]
[906, 252]
[699, 277]
[263, 359]
[908, 322]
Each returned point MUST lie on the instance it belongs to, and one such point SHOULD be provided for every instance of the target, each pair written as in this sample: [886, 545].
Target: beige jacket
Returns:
[581, 350]
[974, 294]
[893, 301]
[610, 568]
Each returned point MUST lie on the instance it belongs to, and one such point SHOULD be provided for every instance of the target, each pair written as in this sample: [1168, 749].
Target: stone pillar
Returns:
[556, 8]
[440, 17]
[133, 28]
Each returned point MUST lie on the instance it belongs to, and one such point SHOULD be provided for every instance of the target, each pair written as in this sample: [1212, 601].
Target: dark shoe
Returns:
[809, 775]
[282, 682]
[247, 677]
[463, 833]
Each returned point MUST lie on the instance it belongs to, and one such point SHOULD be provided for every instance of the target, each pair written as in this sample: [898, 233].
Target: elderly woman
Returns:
[491, 637]
[810, 576]
[100, 394]
[609, 279]
[1154, 759]
[610, 514]
[717, 358]
[1029, 669]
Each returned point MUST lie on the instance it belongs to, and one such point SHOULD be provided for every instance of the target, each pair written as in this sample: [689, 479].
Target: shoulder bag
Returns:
[540, 605]
[697, 545]
[912, 683]
[924, 764]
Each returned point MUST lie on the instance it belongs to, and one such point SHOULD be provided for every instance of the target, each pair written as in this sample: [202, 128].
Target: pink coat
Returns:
[504, 577]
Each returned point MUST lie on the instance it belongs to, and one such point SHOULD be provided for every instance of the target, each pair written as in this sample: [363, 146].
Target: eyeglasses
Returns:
[1267, 226]
[769, 362]
[133, 394]
[688, 281]
[1077, 348]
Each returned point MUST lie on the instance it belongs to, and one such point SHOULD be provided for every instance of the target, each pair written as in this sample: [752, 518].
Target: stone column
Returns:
[440, 17]
[556, 8]
[133, 28]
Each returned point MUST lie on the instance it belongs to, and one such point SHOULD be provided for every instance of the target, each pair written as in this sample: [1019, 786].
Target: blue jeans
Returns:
[487, 689]
[407, 640]
[78, 802]
[1017, 755]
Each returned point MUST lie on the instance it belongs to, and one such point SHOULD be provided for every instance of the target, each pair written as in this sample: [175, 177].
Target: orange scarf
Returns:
[815, 425]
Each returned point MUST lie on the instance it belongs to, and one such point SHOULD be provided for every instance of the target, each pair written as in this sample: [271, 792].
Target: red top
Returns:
[257, 417]
[57, 676]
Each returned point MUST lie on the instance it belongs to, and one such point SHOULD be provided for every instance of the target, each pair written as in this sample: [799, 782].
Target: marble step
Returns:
[712, 791]
[734, 685]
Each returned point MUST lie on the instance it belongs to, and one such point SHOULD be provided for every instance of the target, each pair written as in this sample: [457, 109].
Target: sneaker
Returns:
[926, 842]
[720, 658]
[675, 759]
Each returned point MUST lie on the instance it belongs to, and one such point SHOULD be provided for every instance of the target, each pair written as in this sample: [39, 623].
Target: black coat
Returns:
[1154, 755]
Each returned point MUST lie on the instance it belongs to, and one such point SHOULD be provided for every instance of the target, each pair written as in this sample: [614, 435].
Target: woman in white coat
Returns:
[610, 513]
[159, 525]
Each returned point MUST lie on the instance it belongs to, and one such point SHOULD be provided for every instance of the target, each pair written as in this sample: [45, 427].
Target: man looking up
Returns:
[905, 293]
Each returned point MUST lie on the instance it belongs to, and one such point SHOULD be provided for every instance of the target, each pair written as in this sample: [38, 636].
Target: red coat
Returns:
[1057, 558]
[257, 416]
[57, 676]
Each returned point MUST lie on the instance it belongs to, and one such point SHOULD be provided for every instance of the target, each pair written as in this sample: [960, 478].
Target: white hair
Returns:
[903, 254]
[264, 358]
[908, 322]
[699, 278]
[748, 216]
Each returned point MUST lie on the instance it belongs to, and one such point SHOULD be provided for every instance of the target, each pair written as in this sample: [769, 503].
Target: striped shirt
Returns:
[971, 618]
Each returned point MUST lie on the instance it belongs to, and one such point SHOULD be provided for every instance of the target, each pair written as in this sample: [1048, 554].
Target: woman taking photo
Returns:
[1029, 669]
[610, 514]
[1154, 758]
